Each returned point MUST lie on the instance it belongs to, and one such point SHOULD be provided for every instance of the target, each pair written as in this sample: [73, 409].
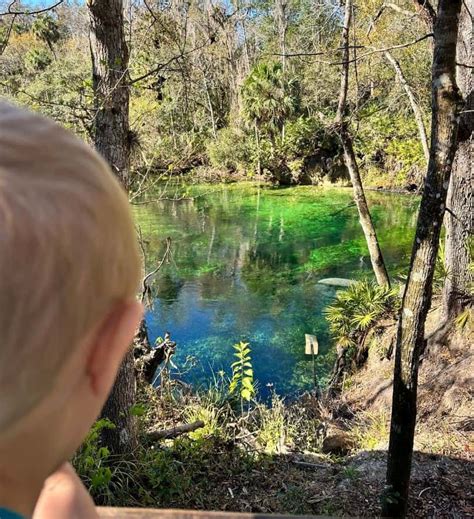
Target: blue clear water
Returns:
[245, 266]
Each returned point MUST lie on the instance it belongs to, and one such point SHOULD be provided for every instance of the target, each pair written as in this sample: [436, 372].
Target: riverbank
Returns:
[309, 456]
[383, 183]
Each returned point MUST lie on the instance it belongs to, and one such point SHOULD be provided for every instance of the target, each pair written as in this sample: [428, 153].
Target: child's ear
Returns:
[110, 344]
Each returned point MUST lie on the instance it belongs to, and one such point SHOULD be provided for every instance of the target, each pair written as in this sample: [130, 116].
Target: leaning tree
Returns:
[350, 160]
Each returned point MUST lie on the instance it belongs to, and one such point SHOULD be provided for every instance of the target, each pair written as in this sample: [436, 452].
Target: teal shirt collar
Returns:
[8, 514]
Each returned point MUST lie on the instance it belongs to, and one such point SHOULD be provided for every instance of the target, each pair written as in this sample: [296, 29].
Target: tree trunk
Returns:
[414, 105]
[281, 16]
[124, 438]
[111, 135]
[458, 219]
[350, 160]
[426, 12]
[417, 295]
[257, 140]
[211, 109]
[110, 82]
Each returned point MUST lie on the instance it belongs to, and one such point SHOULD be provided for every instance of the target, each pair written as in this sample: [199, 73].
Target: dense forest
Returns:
[322, 93]
[240, 88]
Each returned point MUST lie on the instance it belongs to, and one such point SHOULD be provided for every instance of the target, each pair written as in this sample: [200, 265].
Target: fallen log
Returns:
[147, 358]
[163, 434]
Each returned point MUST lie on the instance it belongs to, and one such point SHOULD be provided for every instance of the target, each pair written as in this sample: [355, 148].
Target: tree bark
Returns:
[111, 136]
[281, 18]
[350, 160]
[417, 295]
[414, 105]
[124, 438]
[426, 12]
[110, 83]
[458, 219]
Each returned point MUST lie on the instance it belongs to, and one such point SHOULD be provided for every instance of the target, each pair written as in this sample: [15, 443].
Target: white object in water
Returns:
[336, 282]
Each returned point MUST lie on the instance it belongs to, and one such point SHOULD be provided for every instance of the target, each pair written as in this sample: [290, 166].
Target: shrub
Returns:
[371, 430]
[308, 136]
[390, 143]
[356, 309]
[230, 150]
[91, 460]
[38, 59]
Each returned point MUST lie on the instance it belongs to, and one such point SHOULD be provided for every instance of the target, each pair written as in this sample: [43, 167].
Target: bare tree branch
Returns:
[12, 12]
[398, 9]
[149, 276]
[414, 105]
[161, 66]
[426, 12]
[7, 35]
[358, 58]
[392, 47]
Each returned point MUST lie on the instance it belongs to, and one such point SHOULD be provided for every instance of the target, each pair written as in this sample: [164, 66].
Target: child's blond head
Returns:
[68, 253]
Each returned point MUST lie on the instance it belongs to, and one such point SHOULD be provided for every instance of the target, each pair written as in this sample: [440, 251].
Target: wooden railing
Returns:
[148, 513]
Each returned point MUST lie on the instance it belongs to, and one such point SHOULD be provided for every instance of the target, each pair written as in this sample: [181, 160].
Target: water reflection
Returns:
[245, 266]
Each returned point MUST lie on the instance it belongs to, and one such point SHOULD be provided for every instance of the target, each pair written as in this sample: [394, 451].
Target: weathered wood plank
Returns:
[148, 513]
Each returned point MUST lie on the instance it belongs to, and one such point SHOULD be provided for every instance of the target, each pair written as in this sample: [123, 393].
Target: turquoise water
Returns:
[245, 266]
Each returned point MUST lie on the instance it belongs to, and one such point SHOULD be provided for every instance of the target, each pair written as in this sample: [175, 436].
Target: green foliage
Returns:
[38, 59]
[441, 273]
[242, 382]
[389, 142]
[199, 110]
[46, 29]
[464, 319]
[91, 459]
[357, 309]
[351, 472]
[270, 97]
[272, 430]
[307, 136]
[230, 150]
[207, 406]
[138, 410]
[371, 430]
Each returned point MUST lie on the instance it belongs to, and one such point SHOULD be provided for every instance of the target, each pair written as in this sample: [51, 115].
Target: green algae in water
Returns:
[246, 261]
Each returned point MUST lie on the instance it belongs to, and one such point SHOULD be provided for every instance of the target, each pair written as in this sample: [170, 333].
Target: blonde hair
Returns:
[68, 252]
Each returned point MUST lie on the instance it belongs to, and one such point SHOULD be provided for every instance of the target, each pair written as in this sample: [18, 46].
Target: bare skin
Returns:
[64, 495]
[31, 483]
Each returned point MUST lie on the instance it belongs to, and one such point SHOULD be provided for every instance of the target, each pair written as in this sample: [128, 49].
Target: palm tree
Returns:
[269, 98]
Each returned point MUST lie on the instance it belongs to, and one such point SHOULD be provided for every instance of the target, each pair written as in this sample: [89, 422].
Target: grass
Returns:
[350, 472]
[233, 450]
[273, 428]
[371, 430]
